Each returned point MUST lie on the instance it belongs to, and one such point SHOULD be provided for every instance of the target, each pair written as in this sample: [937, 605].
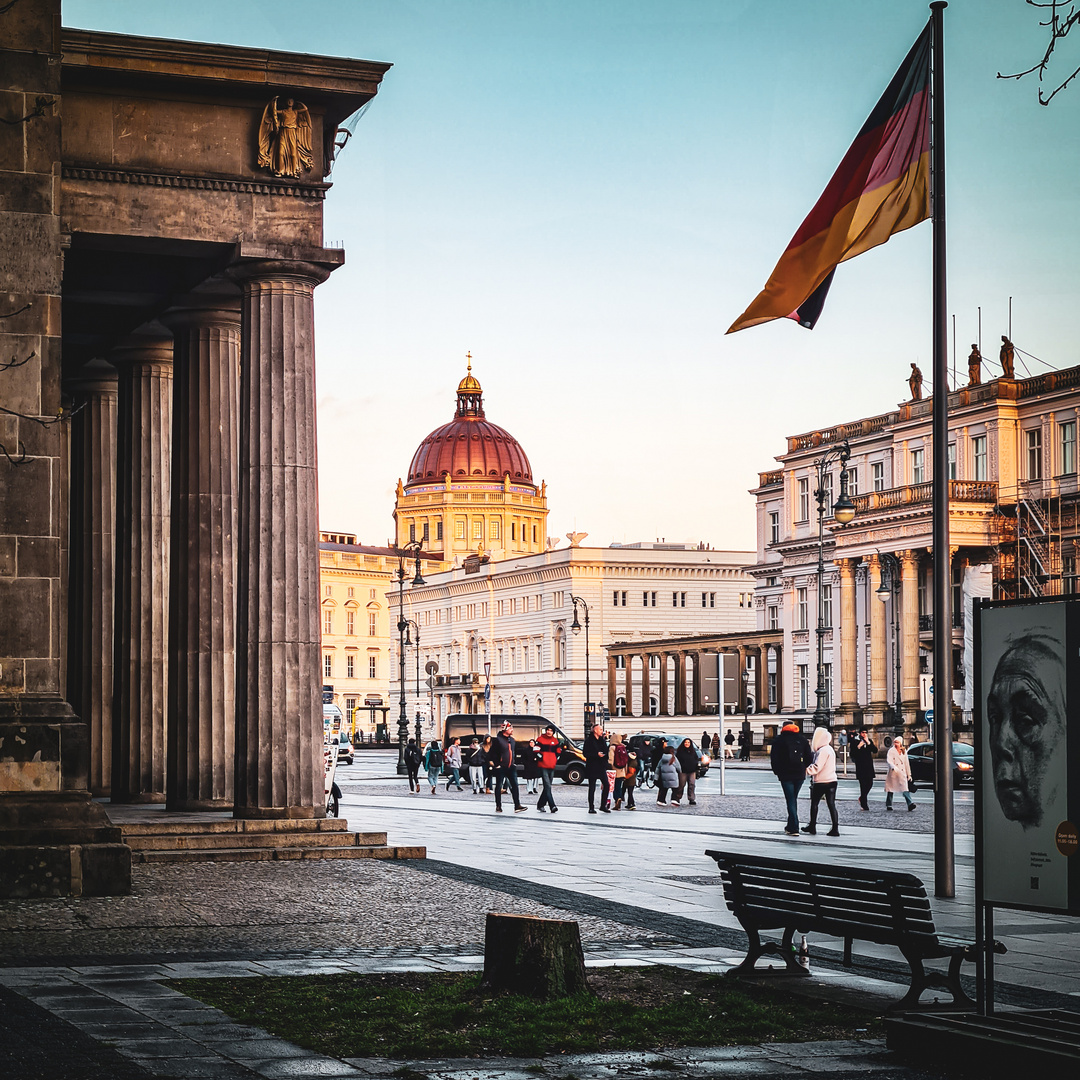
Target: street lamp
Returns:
[406, 553]
[891, 565]
[575, 628]
[487, 692]
[843, 511]
[411, 624]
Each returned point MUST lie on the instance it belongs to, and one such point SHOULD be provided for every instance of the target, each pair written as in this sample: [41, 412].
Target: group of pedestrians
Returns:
[713, 745]
[676, 772]
[793, 759]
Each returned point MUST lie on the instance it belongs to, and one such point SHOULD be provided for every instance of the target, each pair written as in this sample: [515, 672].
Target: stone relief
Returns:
[285, 138]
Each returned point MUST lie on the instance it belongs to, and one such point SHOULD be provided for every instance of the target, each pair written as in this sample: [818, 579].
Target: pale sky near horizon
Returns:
[586, 193]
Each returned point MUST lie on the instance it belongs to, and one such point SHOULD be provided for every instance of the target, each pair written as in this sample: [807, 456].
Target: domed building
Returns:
[469, 489]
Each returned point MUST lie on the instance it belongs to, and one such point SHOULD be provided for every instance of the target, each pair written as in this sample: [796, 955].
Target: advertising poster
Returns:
[1028, 656]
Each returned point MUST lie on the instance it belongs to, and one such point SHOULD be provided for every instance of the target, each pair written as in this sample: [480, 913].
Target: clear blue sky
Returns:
[586, 193]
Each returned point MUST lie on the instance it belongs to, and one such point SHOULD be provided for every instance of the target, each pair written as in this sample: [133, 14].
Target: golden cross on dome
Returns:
[468, 357]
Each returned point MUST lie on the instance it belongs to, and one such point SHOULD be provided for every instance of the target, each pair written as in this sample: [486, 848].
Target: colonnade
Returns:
[193, 625]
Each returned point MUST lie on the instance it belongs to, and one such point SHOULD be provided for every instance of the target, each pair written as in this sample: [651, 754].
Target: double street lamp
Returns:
[575, 628]
[843, 511]
[890, 586]
[411, 624]
[407, 553]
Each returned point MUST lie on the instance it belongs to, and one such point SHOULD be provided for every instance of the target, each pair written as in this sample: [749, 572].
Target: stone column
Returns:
[628, 685]
[761, 698]
[646, 688]
[680, 684]
[697, 686]
[779, 650]
[202, 576]
[909, 634]
[878, 663]
[140, 677]
[279, 771]
[849, 629]
[93, 560]
[611, 687]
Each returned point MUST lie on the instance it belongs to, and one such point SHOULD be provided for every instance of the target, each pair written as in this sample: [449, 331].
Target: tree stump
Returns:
[538, 957]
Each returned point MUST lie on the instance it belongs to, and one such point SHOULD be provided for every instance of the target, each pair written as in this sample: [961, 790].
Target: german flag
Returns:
[881, 187]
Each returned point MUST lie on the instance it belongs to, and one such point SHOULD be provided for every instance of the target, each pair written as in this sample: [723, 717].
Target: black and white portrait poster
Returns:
[1028, 839]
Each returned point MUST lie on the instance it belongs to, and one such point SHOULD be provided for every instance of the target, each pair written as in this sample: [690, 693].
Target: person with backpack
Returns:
[433, 759]
[548, 747]
[633, 762]
[413, 758]
[453, 761]
[617, 759]
[790, 758]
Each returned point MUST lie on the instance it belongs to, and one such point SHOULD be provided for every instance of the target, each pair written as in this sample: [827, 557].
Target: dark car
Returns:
[921, 758]
[646, 740]
[570, 767]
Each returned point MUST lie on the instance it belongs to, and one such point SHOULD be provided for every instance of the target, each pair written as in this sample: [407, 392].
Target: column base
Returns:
[198, 804]
[263, 813]
[145, 798]
[60, 844]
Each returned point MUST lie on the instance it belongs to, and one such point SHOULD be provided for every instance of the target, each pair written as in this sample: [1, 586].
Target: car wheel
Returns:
[574, 774]
[333, 802]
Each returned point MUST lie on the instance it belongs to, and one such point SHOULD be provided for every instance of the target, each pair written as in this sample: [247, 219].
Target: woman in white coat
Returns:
[822, 774]
[899, 775]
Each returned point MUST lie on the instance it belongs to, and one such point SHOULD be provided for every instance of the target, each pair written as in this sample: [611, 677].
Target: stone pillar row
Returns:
[211, 696]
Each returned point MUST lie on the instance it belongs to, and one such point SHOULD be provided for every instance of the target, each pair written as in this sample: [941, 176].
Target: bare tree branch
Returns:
[1059, 24]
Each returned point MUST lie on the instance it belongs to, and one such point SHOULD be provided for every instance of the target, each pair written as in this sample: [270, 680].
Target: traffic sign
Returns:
[929, 716]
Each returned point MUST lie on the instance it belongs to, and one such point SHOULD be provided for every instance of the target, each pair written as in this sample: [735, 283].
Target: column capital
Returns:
[909, 557]
[95, 376]
[873, 560]
[218, 309]
[152, 348]
[250, 272]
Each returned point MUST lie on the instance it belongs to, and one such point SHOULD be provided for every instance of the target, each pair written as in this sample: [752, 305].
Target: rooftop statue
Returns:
[915, 383]
[974, 366]
[285, 138]
[1007, 356]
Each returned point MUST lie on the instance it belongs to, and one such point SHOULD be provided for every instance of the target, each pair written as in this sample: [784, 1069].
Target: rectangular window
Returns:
[918, 467]
[327, 621]
[771, 680]
[513, 530]
[372, 667]
[534, 534]
[412, 532]
[513, 659]
[350, 706]
[425, 532]
[772, 580]
[1068, 574]
[952, 461]
[980, 468]
[328, 591]
[558, 599]
[539, 657]
[877, 475]
[852, 481]
[470, 611]
[1068, 448]
[682, 599]
[1033, 442]
[328, 666]
[827, 489]
[709, 599]
[774, 527]
[804, 501]
[774, 618]
[513, 605]
[494, 529]
[438, 530]
[620, 663]
[525, 656]
[351, 592]
[803, 679]
[372, 627]
[826, 603]
[499, 608]
[350, 623]
[502, 662]
[478, 529]
[826, 678]
[459, 529]
[350, 666]
[484, 610]
[801, 611]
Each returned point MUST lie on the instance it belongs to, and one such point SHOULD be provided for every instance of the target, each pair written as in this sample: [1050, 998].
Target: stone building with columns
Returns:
[159, 570]
[1013, 531]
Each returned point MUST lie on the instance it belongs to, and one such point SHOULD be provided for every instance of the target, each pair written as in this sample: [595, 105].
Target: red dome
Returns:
[469, 447]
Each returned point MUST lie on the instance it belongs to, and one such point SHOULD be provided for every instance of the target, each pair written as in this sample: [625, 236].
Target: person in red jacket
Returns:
[548, 745]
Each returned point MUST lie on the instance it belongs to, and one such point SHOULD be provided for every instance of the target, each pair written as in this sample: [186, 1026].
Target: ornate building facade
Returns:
[1013, 533]
[469, 489]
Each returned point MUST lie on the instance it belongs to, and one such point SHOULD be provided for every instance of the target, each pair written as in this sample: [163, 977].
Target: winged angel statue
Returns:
[285, 138]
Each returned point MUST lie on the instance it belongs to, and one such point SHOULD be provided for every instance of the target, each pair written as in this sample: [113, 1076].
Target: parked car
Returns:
[921, 757]
[570, 767]
[345, 749]
[645, 740]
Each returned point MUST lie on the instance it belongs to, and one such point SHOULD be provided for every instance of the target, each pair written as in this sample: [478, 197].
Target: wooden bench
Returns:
[881, 906]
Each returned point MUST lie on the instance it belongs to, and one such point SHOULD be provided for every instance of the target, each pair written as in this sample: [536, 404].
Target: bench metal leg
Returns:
[921, 980]
[847, 952]
[758, 948]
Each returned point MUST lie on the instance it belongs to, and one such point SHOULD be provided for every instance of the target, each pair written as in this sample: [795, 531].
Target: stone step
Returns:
[178, 840]
[234, 825]
[268, 854]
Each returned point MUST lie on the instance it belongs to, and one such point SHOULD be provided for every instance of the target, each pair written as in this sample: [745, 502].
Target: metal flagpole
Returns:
[944, 863]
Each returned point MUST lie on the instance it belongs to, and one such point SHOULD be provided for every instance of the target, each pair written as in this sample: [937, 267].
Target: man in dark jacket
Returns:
[413, 757]
[502, 758]
[863, 751]
[790, 758]
[596, 766]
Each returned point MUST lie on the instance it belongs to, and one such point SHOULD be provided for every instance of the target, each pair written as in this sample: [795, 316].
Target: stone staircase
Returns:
[231, 840]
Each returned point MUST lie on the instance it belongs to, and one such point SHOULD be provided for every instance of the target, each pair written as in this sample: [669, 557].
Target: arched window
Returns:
[513, 706]
[620, 706]
[474, 655]
[539, 707]
[654, 706]
[560, 648]
[558, 711]
[525, 706]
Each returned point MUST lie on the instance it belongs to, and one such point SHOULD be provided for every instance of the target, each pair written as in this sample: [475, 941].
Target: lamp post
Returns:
[843, 511]
[575, 627]
[406, 553]
[883, 592]
[487, 693]
[411, 624]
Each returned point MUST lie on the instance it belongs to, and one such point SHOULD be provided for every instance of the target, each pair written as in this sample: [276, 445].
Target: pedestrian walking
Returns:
[716, 745]
[453, 763]
[790, 757]
[687, 759]
[706, 742]
[503, 749]
[486, 751]
[617, 759]
[633, 763]
[863, 751]
[530, 767]
[596, 767]
[823, 780]
[433, 761]
[729, 745]
[746, 741]
[413, 760]
[898, 777]
[548, 745]
[475, 761]
[667, 774]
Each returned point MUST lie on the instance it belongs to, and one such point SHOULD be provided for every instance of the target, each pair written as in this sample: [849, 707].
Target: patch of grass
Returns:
[416, 1016]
